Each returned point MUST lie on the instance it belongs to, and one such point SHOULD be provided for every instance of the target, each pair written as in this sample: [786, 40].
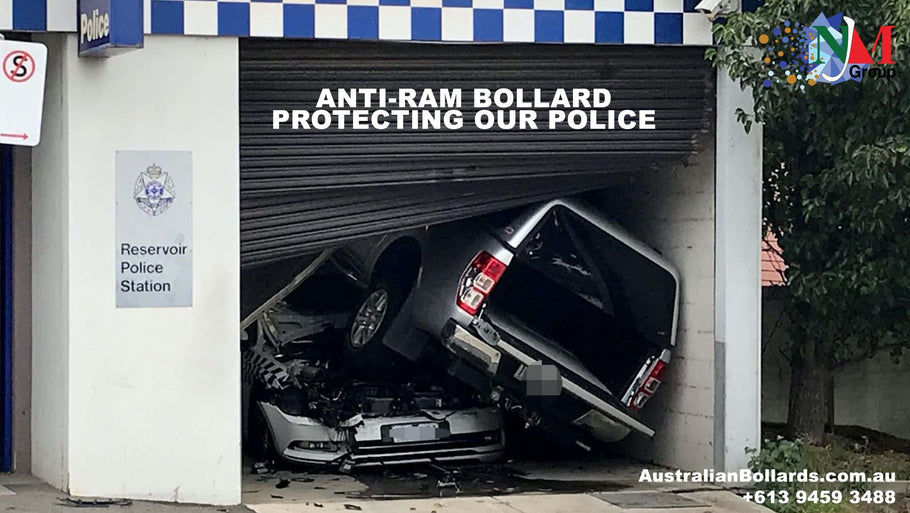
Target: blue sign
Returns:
[109, 27]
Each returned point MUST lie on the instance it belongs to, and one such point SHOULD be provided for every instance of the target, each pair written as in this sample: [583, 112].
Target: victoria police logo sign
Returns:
[154, 191]
[154, 249]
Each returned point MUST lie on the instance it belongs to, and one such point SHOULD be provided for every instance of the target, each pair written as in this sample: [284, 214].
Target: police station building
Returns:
[204, 113]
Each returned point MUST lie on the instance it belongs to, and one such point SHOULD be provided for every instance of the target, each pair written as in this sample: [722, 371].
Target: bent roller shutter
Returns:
[302, 191]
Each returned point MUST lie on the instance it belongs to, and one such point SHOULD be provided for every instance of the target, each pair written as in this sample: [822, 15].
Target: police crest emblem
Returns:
[154, 191]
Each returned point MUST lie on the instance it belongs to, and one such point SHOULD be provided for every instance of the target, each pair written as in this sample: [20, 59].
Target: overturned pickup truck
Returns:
[304, 406]
[552, 311]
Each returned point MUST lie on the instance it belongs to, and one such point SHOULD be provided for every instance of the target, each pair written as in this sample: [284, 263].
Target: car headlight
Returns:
[323, 446]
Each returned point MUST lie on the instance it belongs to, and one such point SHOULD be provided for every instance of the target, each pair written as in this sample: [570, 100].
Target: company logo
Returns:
[829, 50]
[154, 191]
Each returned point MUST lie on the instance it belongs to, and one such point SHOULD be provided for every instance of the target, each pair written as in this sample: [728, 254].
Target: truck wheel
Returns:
[371, 320]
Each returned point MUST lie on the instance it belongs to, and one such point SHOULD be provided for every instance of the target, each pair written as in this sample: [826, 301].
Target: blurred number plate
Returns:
[425, 432]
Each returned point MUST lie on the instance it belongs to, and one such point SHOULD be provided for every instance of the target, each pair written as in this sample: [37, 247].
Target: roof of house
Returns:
[772, 263]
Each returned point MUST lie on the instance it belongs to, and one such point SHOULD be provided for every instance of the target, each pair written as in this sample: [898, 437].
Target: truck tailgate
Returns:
[523, 343]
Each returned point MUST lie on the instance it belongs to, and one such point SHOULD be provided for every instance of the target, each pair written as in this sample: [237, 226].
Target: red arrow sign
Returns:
[15, 136]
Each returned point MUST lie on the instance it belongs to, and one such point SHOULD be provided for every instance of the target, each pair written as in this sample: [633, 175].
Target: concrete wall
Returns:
[706, 218]
[872, 394]
[22, 309]
[673, 211]
[50, 283]
[139, 403]
[737, 288]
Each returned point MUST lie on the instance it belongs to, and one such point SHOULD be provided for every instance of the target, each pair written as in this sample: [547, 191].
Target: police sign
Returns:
[109, 27]
[154, 229]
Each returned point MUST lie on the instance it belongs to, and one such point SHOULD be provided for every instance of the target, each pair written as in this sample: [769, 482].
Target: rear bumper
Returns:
[613, 423]
[579, 405]
[469, 347]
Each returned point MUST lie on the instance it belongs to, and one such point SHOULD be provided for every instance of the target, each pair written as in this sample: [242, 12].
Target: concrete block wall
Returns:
[672, 210]
[874, 394]
[871, 394]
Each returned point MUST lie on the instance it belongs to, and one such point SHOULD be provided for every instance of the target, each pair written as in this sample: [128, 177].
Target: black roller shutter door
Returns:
[302, 191]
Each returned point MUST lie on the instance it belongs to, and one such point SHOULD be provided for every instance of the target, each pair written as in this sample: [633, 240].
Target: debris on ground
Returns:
[447, 487]
[352, 507]
[77, 502]
[346, 466]
[263, 467]
[467, 480]
[283, 483]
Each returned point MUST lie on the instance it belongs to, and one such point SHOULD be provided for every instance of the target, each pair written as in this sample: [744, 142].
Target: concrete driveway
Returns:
[604, 487]
[570, 487]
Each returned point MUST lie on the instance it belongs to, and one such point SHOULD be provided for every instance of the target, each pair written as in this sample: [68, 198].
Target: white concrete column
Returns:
[738, 280]
[144, 402]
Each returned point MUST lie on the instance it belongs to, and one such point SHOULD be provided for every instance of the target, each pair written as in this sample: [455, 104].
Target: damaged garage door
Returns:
[303, 191]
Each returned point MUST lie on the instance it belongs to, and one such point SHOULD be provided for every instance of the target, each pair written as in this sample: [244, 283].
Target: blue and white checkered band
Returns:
[649, 22]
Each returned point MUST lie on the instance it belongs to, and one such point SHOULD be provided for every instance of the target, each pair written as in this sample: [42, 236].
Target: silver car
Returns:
[553, 311]
[297, 412]
[438, 435]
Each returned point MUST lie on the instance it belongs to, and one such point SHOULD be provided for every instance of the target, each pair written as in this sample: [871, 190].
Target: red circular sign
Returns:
[18, 66]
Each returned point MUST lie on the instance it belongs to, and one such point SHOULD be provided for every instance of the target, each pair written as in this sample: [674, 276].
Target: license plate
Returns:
[424, 432]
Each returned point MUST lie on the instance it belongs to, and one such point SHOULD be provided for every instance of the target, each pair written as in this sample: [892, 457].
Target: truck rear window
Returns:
[592, 294]
[610, 273]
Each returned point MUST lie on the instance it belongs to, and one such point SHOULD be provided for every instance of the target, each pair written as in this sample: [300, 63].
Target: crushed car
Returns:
[303, 405]
[553, 311]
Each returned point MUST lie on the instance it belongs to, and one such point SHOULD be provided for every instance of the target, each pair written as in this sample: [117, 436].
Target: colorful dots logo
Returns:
[786, 50]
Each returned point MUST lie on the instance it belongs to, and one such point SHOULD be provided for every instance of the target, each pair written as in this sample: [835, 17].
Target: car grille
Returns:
[465, 445]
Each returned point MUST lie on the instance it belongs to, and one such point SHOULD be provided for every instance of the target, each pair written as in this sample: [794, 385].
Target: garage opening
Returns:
[427, 297]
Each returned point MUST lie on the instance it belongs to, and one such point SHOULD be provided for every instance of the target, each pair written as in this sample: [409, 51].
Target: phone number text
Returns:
[822, 497]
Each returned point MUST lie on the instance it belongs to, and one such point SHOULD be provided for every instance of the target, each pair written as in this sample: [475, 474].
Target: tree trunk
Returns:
[829, 398]
[808, 409]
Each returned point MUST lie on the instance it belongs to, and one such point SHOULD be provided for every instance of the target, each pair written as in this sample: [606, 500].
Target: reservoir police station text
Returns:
[143, 268]
[441, 109]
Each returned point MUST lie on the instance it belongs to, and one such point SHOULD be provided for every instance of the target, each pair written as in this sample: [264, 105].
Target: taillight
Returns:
[478, 281]
[648, 386]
